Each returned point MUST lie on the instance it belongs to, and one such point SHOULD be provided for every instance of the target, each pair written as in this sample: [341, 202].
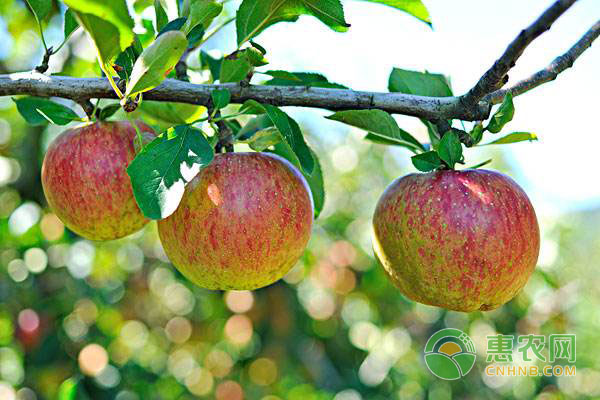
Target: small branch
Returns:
[496, 76]
[87, 106]
[31, 83]
[549, 73]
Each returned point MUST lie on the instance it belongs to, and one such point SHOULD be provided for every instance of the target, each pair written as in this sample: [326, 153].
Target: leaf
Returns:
[239, 64]
[170, 113]
[379, 123]
[156, 61]
[161, 16]
[292, 135]
[514, 138]
[160, 172]
[202, 12]
[264, 139]
[432, 132]
[416, 8]
[38, 111]
[255, 125]
[314, 180]
[419, 83]
[290, 131]
[70, 23]
[477, 133]
[450, 149]
[213, 64]
[309, 79]
[254, 16]
[427, 161]
[127, 58]
[503, 116]
[174, 25]
[107, 22]
[195, 36]
[220, 98]
[40, 8]
[109, 111]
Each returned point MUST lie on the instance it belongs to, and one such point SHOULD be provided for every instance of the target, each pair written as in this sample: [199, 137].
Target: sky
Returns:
[558, 171]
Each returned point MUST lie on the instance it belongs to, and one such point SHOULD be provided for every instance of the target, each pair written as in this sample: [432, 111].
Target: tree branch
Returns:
[36, 84]
[496, 76]
[549, 73]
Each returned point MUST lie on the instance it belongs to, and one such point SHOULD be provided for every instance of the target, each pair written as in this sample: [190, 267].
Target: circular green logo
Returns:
[450, 354]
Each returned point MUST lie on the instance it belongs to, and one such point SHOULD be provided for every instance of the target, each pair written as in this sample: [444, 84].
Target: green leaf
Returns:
[419, 83]
[381, 124]
[254, 16]
[107, 22]
[109, 111]
[290, 131]
[220, 98]
[202, 12]
[38, 111]
[127, 58]
[68, 389]
[160, 172]
[256, 124]
[70, 23]
[477, 133]
[195, 36]
[309, 79]
[292, 135]
[416, 8]
[252, 107]
[314, 180]
[156, 61]
[514, 138]
[174, 25]
[239, 64]
[161, 16]
[264, 139]
[450, 149]
[40, 8]
[503, 116]
[427, 161]
[213, 64]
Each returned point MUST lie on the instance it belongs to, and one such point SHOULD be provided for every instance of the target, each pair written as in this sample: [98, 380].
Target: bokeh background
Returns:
[115, 320]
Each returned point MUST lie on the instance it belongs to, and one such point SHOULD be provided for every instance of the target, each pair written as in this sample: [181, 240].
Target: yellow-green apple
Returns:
[462, 240]
[86, 183]
[243, 222]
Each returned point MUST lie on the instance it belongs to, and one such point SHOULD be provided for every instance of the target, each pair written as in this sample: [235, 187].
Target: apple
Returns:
[462, 240]
[85, 180]
[242, 223]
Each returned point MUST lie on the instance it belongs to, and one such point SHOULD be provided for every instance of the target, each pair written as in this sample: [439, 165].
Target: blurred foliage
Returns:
[114, 320]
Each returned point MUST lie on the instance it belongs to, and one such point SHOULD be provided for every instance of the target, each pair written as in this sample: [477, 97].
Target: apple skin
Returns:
[86, 183]
[462, 240]
[243, 222]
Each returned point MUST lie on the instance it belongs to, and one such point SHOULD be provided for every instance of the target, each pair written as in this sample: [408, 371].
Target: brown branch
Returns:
[552, 71]
[36, 84]
[496, 76]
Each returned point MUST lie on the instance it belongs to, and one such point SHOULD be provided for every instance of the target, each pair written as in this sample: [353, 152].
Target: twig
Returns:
[549, 73]
[43, 67]
[496, 76]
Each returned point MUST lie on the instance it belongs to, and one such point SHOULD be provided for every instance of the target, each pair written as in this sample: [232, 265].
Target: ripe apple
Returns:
[243, 222]
[462, 240]
[85, 180]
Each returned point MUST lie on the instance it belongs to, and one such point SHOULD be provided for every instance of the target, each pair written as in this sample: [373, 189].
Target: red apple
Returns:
[462, 240]
[86, 183]
[243, 222]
